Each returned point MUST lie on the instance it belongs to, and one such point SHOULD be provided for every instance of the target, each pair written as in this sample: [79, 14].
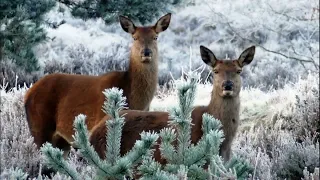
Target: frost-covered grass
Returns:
[270, 135]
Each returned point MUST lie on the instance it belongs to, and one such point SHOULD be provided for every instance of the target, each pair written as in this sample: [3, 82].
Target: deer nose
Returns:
[227, 85]
[146, 52]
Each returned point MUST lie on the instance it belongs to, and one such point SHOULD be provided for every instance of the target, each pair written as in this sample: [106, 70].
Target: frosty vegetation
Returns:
[286, 33]
[279, 130]
[269, 136]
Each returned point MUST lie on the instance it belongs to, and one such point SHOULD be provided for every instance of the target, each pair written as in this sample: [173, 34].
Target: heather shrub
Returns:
[294, 157]
[81, 60]
[13, 174]
[276, 154]
[13, 76]
[306, 116]
[17, 147]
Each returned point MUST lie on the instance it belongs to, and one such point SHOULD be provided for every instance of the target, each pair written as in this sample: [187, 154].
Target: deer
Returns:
[224, 106]
[52, 103]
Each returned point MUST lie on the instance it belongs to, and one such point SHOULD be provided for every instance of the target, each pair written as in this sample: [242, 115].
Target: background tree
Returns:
[143, 11]
[21, 29]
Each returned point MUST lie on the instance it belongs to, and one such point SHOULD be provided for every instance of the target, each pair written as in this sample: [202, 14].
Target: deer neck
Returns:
[224, 109]
[143, 80]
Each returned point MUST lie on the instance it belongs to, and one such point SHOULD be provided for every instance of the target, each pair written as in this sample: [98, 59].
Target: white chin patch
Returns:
[145, 59]
[227, 93]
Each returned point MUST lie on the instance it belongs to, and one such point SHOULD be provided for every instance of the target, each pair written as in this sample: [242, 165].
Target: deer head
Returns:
[145, 38]
[226, 73]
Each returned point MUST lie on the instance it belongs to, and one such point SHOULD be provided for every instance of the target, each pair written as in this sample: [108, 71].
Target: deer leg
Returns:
[40, 129]
[60, 142]
[225, 150]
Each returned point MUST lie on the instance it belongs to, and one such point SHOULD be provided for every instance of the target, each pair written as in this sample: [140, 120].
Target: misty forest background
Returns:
[279, 131]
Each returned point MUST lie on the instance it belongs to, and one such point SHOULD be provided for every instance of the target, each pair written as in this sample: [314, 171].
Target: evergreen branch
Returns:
[172, 168]
[54, 158]
[82, 141]
[240, 166]
[142, 147]
[182, 172]
[197, 172]
[160, 175]
[207, 146]
[183, 138]
[114, 131]
[121, 168]
[186, 93]
[150, 169]
[219, 170]
[166, 148]
[210, 123]
[114, 102]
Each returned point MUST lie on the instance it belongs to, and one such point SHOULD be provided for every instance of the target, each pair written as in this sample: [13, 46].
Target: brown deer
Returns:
[224, 105]
[52, 103]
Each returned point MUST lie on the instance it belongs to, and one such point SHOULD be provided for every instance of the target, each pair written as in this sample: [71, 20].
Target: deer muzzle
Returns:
[146, 55]
[227, 87]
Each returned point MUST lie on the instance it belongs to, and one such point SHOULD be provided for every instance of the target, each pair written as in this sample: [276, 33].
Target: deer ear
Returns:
[207, 56]
[127, 25]
[246, 56]
[163, 23]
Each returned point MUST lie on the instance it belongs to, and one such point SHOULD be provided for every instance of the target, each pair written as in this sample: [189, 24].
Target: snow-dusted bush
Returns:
[17, 147]
[81, 60]
[13, 174]
[14, 76]
[280, 131]
[307, 114]
[277, 154]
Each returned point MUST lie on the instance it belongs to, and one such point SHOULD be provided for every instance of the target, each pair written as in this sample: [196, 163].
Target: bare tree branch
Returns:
[300, 60]
[287, 16]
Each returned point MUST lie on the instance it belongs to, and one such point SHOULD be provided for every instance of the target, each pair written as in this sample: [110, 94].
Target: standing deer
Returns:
[52, 103]
[224, 105]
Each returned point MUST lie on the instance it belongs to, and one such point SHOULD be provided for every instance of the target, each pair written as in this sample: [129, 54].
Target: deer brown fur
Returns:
[52, 103]
[224, 105]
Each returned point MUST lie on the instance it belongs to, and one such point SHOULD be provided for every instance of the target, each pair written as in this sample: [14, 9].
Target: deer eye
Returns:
[215, 71]
[239, 71]
[135, 38]
[155, 38]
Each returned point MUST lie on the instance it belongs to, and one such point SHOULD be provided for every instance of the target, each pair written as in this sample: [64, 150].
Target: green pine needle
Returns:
[54, 158]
